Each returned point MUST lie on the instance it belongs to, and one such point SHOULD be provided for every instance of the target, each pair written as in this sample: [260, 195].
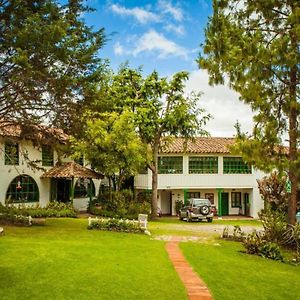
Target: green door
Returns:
[224, 204]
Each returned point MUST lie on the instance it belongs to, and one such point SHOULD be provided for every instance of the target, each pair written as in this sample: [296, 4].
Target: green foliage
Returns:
[275, 225]
[53, 209]
[271, 251]
[253, 242]
[178, 206]
[129, 122]
[116, 225]
[256, 45]
[273, 191]
[119, 204]
[49, 64]
[111, 144]
[10, 218]
[256, 243]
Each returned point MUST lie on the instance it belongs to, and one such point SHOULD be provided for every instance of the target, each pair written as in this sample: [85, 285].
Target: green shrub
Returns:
[274, 223]
[12, 219]
[115, 225]
[53, 209]
[255, 243]
[178, 206]
[118, 204]
[270, 250]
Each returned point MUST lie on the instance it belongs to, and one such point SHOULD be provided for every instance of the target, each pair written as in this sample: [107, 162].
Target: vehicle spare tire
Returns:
[205, 210]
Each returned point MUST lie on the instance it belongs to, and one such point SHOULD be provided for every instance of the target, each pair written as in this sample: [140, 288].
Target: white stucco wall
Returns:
[207, 183]
[9, 172]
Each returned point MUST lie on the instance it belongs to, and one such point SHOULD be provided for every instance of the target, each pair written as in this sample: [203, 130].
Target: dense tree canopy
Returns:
[256, 45]
[49, 60]
[154, 108]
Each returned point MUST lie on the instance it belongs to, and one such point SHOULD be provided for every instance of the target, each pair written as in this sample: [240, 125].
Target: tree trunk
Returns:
[154, 170]
[293, 136]
[292, 205]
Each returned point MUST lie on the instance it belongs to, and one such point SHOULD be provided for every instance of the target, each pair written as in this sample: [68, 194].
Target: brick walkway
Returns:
[196, 288]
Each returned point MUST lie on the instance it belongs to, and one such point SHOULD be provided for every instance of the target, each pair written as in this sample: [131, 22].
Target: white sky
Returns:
[222, 103]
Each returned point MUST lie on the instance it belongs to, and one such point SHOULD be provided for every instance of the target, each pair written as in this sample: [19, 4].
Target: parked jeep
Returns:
[196, 209]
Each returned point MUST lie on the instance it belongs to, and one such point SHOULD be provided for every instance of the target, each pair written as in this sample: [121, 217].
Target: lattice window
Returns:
[170, 165]
[235, 165]
[22, 189]
[47, 155]
[203, 165]
[11, 153]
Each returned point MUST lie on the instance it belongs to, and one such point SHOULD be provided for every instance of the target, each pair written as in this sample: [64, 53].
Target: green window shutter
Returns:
[47, 156]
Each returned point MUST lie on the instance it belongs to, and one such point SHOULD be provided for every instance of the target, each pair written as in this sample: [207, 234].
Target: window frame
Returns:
[47, 156]
[193, 195]
[17, 188]
[235, 165]
[203, 164]
[171, 167]
[235, 202]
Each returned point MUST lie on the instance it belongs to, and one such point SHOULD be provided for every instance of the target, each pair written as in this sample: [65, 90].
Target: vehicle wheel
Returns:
[209, 220]
[180, 216]
[205, 210]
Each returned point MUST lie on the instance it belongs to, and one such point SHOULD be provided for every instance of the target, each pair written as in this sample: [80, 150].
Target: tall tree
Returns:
[255, 43]
[165, 112]
[159, 109]
[111, 144]
[49, 62]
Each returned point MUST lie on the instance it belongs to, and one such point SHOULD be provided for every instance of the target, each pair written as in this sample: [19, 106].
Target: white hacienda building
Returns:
[205, 168]
[29, 172]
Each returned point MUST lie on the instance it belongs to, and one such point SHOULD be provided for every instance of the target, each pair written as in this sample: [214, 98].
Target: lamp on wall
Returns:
[18, 187]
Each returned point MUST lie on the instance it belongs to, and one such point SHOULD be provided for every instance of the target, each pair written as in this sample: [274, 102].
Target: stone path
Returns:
[196, 288]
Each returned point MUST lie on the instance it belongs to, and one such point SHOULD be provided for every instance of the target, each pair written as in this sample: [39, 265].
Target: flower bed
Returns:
[113, 224]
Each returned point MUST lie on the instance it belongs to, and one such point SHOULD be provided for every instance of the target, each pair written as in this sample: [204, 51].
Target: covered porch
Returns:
[71, 182]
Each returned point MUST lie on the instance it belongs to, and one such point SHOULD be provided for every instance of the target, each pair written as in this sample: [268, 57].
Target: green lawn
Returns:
[231, 274]
[64, 260]
[174, 226]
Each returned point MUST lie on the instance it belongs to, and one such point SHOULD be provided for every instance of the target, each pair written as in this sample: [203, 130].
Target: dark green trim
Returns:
[72, 190]
[185, 195]
[220, 191]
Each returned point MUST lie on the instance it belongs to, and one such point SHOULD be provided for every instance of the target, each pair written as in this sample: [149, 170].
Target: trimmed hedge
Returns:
[11, 219]
[120, 225]
[53, 209]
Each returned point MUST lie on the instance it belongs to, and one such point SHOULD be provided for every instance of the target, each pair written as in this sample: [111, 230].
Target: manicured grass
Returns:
[231, 274]
[216, 221]
[174, 226]
[64, 260]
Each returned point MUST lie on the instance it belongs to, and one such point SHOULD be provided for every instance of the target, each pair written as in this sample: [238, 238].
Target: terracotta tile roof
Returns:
[200, 145]
[71, 170]
[32, 132]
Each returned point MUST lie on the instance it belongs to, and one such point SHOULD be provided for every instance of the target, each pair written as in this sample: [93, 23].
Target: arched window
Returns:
[22, 189]
[84, 188]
